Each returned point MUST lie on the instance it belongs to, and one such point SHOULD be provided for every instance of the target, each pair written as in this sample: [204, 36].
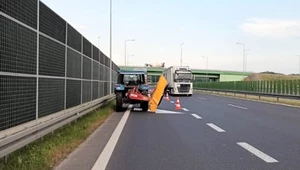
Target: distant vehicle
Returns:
[179, 80]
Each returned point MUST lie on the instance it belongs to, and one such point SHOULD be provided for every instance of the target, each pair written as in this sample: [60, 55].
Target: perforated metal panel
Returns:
[74, 64]
[95, 90]
[73, 93]
[106, 74]
[95, 53]
[101, 72]
[105, 88]
[101, 89]
[87, 68]
[18, 57]
[101, 58]
[17, 100]
[18, 48]
[24, 11]
[96, 71]
[74, 38]
[86, 91]
[52, 24]
[87, 47]
[51, 58]
[104, 60]
[51, 96]
[108, 62]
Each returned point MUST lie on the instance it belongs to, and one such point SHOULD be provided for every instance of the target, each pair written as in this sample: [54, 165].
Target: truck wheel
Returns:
[119, 102]
[144, 106]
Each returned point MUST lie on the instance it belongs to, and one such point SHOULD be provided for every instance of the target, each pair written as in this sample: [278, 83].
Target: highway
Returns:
[210, 132]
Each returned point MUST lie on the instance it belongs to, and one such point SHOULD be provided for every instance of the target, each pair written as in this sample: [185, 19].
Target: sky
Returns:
[209, 30]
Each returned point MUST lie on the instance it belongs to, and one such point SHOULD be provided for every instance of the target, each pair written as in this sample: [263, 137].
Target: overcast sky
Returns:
[211, 28]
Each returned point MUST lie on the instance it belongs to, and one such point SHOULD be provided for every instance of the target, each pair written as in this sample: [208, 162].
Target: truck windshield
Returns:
[183, 76]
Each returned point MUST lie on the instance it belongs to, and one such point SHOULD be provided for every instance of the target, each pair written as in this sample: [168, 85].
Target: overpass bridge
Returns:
[200, 75]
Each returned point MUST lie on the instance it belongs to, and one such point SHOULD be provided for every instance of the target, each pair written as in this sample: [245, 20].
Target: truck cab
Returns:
[179, 80]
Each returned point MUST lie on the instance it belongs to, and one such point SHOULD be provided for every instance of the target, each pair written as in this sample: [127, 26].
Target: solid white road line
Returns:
[201, 98]
[218, 129]
[257, 152]
[172, 101]
[160, 111]
[184, 109]
[196, 116]
[240, 107]
[104, 157]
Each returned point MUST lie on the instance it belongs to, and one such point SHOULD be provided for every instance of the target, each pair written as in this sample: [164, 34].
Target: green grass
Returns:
[263, 76]
[49, 152]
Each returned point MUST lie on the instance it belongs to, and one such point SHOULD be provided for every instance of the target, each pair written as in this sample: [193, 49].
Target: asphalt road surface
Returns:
[209, 132]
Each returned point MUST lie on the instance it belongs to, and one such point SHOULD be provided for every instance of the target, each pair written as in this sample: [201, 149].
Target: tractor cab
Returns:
[129, 79]
[132, 88]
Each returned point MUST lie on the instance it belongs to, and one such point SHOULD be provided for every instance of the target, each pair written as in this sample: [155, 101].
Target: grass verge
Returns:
[272, 100]
[49, 152]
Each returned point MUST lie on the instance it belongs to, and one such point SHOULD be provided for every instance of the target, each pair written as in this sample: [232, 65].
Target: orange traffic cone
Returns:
[167, 97]
[177, 107]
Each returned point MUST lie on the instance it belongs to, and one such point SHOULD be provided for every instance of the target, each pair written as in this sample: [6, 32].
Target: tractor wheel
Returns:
[119, 102]
[145, 106]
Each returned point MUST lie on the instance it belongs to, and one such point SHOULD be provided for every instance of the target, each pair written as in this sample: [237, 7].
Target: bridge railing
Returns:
[280, 88]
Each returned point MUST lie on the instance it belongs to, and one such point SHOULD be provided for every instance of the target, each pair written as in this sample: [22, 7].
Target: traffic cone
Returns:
[177, 107]
[167, 97]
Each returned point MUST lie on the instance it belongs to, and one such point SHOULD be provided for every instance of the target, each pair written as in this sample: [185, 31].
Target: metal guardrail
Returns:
[20, 139]
[286, 96]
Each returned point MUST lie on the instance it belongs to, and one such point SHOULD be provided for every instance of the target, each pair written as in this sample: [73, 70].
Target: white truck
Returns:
[179, 80]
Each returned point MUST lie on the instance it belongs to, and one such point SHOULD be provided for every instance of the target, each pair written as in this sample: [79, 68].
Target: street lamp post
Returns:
[181, 54]
[246, 59]
[99, 42]
[206, 67]
[110, 50]
[243, 57]
[125, 49]
[128, 58]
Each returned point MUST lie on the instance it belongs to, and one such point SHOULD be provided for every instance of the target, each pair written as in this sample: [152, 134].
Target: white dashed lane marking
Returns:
[196, 116]
[257, 152]
[240, 107]
[215, 127]
[185, 109]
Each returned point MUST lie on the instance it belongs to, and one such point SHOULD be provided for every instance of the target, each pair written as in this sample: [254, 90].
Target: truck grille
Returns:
[184, 88]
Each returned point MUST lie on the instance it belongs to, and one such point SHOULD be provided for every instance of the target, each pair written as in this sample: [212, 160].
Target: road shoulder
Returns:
[87, 153]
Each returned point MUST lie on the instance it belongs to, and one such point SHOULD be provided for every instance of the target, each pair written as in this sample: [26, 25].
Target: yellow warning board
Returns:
[157, 93]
